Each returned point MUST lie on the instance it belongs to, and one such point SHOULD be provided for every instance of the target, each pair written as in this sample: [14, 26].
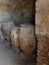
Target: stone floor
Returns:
[7, 55]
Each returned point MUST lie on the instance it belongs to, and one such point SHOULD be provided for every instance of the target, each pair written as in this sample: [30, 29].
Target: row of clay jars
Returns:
[24, 38]
[42, 34]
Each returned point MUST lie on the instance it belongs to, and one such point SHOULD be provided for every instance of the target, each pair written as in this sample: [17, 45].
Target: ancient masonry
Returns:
[42, 31]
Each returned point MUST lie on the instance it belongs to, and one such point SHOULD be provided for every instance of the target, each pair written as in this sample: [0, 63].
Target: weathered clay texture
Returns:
[15, 37]
[27, 39]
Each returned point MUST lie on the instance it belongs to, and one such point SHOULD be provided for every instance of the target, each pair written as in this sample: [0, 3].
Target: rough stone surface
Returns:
[41, 4]
[42, 22]
[22, 10]
[5, 15]
[42, 50]
[42, 33]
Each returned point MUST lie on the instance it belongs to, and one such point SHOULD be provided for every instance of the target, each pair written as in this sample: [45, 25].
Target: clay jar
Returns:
[27, 39]
[15, 36]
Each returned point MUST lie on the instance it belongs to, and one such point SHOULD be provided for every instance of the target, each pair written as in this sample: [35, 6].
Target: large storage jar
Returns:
[27, 39]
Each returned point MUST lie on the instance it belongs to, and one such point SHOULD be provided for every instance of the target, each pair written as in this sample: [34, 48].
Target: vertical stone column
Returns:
[42, 34]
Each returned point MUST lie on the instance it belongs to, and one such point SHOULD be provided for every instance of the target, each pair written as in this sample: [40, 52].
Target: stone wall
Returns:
[41, 4]
[42, 31]
[23, 11]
